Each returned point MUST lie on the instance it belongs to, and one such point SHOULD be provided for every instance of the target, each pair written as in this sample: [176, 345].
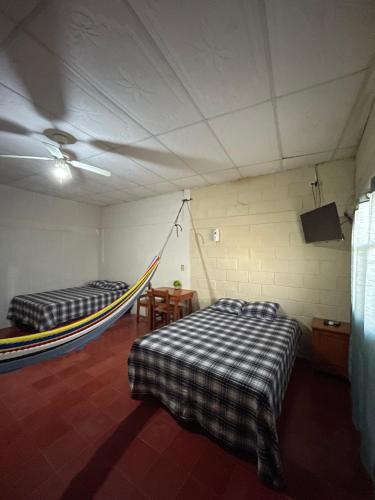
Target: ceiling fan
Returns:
[62, 160]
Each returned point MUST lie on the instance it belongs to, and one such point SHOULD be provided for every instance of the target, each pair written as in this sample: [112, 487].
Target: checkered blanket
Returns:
[228, 373]
[43, 311]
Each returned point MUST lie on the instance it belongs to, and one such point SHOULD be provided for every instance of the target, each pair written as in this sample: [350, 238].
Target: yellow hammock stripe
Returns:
[129, 292]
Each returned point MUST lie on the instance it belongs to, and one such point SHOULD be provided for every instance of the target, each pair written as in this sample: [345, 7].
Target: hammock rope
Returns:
[21, 351]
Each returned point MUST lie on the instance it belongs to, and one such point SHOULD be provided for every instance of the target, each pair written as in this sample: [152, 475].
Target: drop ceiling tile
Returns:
[106, 43]
[34, 72]
[164, 187]
[140, 192]
[18, 9]
[249, 136]
[23, 69]
[313, 120]
[198, 147]
[306, 160]
[87, 198]
[99, 199]
[359, 116]
[260, 169]
[99, 121]
[38, 183]
[6, 27]
[343, 153]
[158, 159]
[312, 42]
[98, 184]
[26, 123]
[21, 145]
[111, 197]
[222, 176]
[79, 197]
[119, 195]
[18, 116]
[216, 48]
[17, 168]
[4, 178]
[191, 182]
[119, 164]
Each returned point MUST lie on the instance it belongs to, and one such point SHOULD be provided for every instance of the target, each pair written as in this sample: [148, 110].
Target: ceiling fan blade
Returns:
[90, 168]
[54, 150]
[28, 157]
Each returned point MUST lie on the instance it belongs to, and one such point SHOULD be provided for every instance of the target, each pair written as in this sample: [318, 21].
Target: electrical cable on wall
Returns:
[315, 188]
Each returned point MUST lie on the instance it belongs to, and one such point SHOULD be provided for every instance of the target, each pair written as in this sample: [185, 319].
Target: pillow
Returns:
[263, 310]
[231, 306]
[109, 285]
[96, 283]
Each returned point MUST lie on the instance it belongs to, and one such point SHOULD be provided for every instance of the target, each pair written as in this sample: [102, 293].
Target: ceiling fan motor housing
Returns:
[61, 138]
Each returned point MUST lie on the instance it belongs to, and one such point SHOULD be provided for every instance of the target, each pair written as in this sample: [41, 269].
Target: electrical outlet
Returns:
[182, 267]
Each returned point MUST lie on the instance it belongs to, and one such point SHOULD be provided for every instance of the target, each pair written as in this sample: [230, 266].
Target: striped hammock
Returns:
[18, 352]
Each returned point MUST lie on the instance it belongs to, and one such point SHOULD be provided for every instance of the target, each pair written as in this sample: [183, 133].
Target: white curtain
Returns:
[362, 348]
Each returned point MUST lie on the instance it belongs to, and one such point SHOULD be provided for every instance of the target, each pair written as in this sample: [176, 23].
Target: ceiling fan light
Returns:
[62, 171]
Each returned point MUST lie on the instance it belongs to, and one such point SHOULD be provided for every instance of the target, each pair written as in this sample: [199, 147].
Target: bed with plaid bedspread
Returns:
[229, 373]
[46, 310]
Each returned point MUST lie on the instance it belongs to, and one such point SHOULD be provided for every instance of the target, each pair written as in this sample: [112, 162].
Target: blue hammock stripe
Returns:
[18, 352]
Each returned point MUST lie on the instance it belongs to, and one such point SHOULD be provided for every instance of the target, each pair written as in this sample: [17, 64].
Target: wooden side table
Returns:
[330, 347]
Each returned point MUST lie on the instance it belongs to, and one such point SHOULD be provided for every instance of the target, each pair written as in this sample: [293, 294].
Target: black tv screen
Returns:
[322, 224]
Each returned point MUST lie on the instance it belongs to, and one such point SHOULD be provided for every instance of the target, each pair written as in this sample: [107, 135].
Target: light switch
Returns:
[216, 234]
[182, 267]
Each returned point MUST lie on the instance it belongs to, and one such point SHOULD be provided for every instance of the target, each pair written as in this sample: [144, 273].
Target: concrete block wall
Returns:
[262, 254]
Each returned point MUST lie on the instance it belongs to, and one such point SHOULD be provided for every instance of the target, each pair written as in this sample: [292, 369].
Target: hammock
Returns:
[18, 352]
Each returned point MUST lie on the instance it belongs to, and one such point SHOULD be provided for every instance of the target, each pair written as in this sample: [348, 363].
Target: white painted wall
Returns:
[365, 160]
[45, 243]
[133, 233]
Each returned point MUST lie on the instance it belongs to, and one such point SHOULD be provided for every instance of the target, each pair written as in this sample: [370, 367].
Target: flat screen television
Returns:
[322, 224]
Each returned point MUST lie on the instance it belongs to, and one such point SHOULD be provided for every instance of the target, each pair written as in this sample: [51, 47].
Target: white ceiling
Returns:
[173, 94]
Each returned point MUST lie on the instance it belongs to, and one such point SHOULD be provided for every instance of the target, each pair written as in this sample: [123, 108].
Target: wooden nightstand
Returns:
[330, 347]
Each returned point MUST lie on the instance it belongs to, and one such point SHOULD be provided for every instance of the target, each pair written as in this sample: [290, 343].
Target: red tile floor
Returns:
[69, 430]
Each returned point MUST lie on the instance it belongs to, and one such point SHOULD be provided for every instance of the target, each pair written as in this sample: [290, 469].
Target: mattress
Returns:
[47, 310]
[226, 372]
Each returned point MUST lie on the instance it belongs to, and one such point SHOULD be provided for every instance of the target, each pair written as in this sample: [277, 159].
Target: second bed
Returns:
[227, 372]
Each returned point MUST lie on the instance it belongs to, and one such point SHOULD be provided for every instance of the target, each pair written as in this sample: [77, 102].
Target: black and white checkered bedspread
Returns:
[228, 373]
[46, 310]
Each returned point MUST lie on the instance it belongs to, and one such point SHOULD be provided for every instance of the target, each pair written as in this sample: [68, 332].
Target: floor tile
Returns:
[104, 397]
[25, 478]
[16, 452]
[120, 408]
[49, 433]
[50, 489]
[116, 487]
[159, 433]
[164, 480]
[186, 449]
[61, 451]
[197, 491]
[94, 425]
[213, 469]
[26, 405]
[136, 461]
